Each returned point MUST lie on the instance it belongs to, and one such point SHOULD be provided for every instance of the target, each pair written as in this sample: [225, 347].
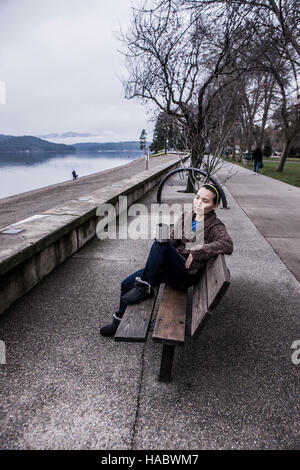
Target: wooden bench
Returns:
[171, 326]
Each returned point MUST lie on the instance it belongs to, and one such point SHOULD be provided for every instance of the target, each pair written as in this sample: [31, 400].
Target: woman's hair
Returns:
[213, 188]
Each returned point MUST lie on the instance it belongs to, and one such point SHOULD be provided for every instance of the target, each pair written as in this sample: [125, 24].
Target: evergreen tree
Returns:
[167, 134]
[159, 134]
[267, 150]
[143, 139]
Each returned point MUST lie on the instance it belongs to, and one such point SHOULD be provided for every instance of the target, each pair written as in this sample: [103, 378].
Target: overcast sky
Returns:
[61, 68]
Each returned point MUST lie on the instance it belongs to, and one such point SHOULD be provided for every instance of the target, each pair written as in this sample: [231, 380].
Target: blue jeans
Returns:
[164, 264]
[256, 166]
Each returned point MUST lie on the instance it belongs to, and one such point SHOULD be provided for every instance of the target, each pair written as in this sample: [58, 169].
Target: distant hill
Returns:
[26, 143]
[64, 135]
[131, 145]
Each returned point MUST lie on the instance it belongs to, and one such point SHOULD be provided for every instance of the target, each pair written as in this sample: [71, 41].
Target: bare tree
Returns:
[275, 51]
[257, 94]
[181, 60]
[280, 16]
[286, 120]
[274, 57]
[268, 96]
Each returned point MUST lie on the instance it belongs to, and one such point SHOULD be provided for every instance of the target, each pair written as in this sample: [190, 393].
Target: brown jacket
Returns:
[215, 241]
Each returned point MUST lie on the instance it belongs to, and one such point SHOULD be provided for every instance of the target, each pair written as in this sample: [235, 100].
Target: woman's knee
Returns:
[156, 245]
[124, 284]
[128, 282]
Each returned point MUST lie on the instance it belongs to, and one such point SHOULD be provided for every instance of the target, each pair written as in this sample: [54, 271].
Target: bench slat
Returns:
[170, 322]
[135, 321]
[199, 307]
[218, 280]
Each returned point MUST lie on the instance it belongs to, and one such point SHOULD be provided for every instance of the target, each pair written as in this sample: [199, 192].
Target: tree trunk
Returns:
[233, 149]
[284, 156]
[268, 100]
[197, 154]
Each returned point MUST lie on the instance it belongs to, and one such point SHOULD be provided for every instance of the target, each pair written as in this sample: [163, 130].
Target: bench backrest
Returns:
[209, 290]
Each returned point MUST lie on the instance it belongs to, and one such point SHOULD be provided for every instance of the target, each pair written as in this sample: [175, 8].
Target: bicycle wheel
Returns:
[172, 188]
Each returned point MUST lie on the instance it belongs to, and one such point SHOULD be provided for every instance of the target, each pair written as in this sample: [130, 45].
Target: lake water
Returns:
[23, 172]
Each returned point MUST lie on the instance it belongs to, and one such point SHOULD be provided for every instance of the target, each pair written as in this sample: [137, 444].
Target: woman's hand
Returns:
[189, 261]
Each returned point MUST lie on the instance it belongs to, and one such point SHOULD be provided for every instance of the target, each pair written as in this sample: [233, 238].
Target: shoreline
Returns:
[24, 205]
[70, 181]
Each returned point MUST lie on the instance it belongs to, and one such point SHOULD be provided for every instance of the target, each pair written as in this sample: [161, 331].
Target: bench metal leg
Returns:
[166, 363]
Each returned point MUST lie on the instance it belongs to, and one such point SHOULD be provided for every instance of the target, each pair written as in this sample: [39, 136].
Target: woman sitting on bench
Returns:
[172, 262]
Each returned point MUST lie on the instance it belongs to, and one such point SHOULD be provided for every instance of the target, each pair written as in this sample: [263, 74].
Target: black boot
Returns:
[142, 290]
[110, 330]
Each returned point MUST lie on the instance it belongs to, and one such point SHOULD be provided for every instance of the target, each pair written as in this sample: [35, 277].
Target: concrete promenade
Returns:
[235, 387]
[274, 208]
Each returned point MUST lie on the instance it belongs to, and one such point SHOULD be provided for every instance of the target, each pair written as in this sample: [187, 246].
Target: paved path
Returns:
[273, 206]
[21, 206]
[235, 387]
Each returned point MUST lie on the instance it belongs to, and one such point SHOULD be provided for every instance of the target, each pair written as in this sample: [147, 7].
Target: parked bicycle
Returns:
[175, 182]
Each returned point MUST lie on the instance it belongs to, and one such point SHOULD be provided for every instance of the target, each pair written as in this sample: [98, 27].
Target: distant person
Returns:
[257, 158]
[74, 174]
